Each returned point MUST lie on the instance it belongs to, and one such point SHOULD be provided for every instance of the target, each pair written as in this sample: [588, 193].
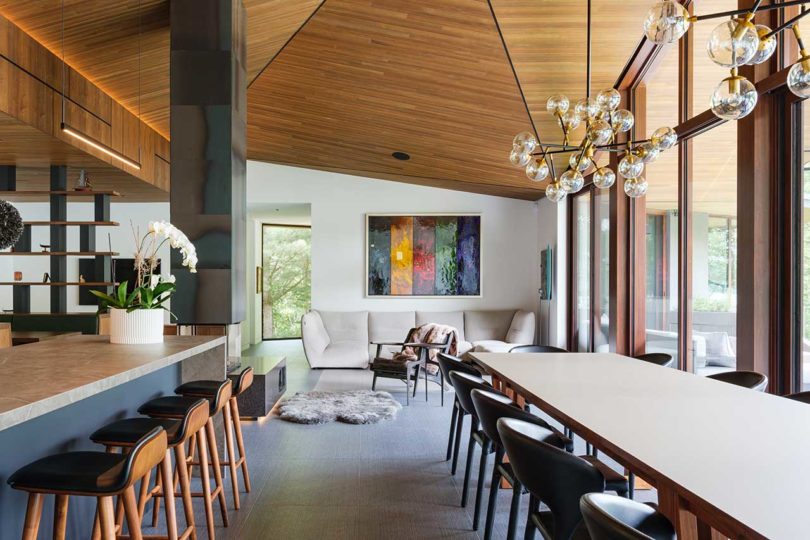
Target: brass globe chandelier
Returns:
[733, 43]
[603, 121]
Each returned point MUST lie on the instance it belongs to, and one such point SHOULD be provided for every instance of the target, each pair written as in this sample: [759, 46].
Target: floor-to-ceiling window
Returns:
[581, 272]
[661, 273]
[286, 281]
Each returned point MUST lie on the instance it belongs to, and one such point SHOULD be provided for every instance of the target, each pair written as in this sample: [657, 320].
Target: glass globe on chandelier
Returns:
[605, 123]
[733, 43]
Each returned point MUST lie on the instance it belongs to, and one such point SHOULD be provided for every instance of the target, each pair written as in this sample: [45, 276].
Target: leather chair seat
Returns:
[386, 365]
[614, 481]
[75, 472]
[199, 388]
[171, 406]
[129, 431]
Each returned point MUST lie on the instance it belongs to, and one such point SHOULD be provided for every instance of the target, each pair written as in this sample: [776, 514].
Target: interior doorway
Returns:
[286, 279]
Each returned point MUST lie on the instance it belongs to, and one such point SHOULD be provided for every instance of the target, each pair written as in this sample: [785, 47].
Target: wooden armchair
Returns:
[408, 370]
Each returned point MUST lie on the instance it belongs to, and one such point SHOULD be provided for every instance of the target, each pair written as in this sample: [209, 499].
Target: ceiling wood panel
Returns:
[366, 78]
[270, 24]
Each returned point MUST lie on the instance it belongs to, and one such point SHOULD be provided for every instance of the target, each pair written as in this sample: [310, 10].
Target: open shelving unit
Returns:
[58, 223]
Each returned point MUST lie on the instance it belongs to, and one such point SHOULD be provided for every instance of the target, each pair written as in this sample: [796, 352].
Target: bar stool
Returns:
[448, 363]
[175, 407]
[614, 518]
[243, 382]
[125, 433]
[210, 391]
[91, 474]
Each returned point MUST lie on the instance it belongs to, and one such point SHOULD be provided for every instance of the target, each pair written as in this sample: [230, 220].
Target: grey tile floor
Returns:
[339, 481]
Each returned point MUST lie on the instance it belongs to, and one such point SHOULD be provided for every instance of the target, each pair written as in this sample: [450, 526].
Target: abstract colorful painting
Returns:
[423, 255]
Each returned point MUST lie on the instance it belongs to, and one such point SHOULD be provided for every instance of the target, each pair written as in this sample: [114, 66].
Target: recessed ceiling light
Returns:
[402, 156]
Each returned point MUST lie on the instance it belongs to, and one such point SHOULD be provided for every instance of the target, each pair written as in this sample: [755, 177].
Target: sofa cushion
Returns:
[389, 326]
[492, 346]
[448, 318]
[345, 354]
[346, 326]
[487, 325]
[522, 329]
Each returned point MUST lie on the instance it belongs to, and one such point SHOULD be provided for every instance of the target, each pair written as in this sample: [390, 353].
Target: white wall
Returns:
[127, 214]
[551, 224]
[339, 204]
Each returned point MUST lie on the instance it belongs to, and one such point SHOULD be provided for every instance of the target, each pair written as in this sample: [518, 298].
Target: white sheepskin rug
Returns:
[355, 407]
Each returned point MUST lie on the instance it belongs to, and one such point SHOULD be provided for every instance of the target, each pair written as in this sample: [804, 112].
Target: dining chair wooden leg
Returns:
[453, 415]
[185, 488]
[60, 510]
[206, 487]
[459, 429]
[215, 464]
[33, 514]
[228, 424]
[106, 518]
[240, 442]
[168, 494]
[133, 517]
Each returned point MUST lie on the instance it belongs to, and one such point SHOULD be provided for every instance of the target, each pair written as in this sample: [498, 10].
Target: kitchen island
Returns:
[53, 394]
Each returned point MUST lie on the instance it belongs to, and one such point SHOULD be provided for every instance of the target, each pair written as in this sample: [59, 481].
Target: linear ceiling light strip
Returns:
[87, 139]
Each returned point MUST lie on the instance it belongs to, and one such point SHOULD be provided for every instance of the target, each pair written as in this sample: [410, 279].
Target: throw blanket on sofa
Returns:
[428, 333]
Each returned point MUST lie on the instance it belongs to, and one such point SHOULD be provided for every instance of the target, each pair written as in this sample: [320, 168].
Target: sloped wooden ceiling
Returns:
[341, 84]
[365, 78]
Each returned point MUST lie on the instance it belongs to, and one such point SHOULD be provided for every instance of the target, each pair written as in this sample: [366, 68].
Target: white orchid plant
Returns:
[151, 290]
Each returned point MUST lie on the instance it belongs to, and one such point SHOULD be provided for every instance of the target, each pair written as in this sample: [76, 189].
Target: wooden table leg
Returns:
[687, 525]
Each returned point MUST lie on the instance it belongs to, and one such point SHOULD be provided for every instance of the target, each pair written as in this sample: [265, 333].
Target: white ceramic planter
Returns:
[137, 327]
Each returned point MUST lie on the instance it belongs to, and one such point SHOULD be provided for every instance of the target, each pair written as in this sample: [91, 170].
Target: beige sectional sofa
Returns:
[343, 339]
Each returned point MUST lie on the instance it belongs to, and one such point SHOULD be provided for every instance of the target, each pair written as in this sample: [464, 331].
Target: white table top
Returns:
[743, 452]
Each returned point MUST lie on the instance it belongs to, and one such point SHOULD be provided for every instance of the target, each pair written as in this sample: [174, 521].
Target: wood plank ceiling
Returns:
[361, 79]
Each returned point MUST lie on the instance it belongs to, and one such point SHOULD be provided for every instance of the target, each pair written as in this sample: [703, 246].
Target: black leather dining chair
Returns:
[657, 358]
[803, 397]
[552, 476]
[613, 518]
[746, 379]
[464, 384]
[491, 406]
[448, 363]
[536, 349]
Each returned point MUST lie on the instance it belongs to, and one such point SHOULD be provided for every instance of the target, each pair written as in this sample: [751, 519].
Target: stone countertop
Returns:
[42, 377]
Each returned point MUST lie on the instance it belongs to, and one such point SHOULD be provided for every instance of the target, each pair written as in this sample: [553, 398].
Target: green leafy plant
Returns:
[151, 295]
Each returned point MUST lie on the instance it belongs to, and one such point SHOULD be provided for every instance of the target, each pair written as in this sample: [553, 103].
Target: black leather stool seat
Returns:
[199, 388]
[171, 406]
[613, 481]
[74, 472]
[129, 431]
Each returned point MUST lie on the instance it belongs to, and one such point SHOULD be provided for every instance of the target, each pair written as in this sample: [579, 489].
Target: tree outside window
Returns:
[287, 283]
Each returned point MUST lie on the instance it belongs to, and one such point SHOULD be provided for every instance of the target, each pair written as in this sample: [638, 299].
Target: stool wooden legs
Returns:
[133, 517]
[106, 516]
[185, 488]
[231, 463]
[240, 443]
[32, 516]
[212, 447]
[206, 485]
[60, 511]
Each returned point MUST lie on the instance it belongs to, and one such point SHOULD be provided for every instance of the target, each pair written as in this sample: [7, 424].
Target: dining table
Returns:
[726, 461]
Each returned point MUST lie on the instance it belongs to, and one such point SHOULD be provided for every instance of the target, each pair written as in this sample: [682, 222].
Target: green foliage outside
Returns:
[286, 254]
